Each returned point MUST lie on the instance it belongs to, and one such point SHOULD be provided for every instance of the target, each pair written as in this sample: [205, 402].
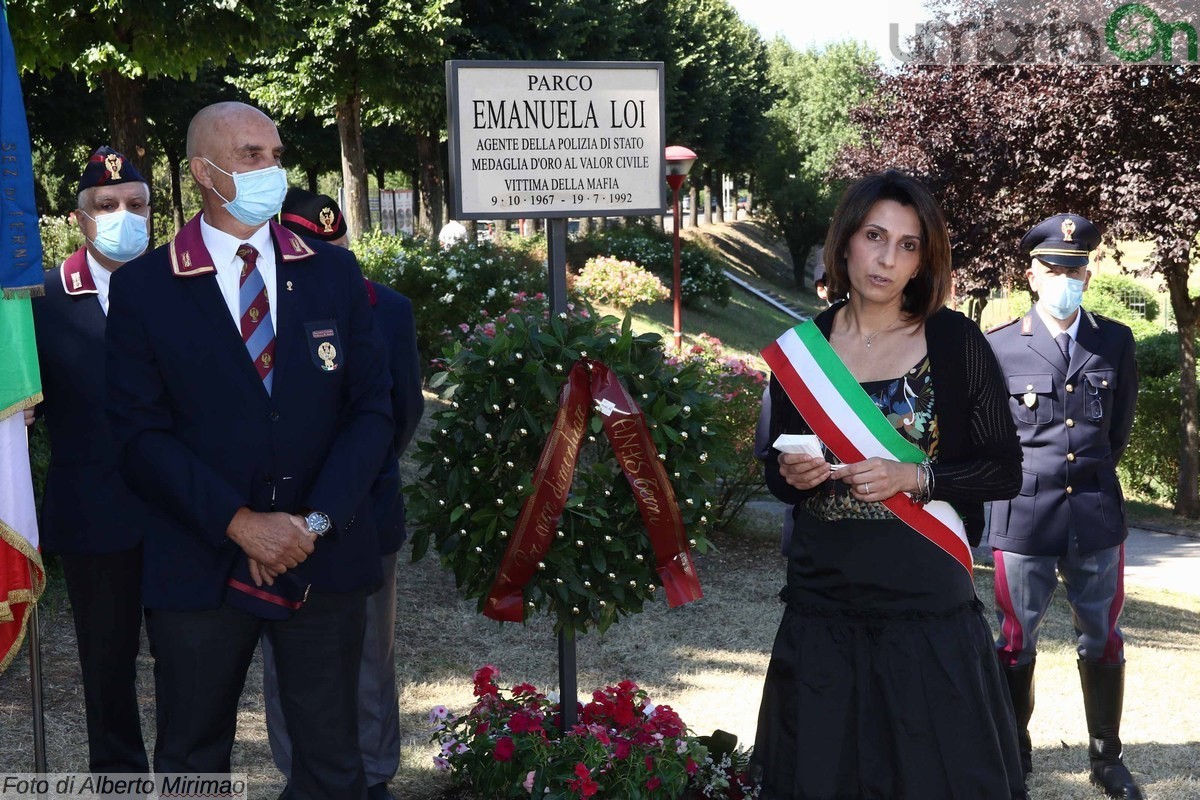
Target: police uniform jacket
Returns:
[394, 316]
[87, 509]
[199, 436]
[1074, 423]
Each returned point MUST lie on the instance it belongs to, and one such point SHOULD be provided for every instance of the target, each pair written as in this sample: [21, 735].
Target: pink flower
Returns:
[442, 764]
[438, 713]
[504, 749]
[528, 784]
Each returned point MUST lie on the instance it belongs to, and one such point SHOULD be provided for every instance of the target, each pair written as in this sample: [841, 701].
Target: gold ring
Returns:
[866, 488]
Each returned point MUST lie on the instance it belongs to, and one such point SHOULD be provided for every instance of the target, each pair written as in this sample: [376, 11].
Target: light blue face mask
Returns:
[1060, 295]
[259, 194]
[120, 236]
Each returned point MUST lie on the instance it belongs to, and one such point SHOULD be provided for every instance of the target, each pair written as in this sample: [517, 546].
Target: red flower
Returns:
[484, 685]
[691, 766]
[504, 749]
[524, 688]
[623, 749]
[521, 722]
[653, 783]
[649, 764]
[583, 782]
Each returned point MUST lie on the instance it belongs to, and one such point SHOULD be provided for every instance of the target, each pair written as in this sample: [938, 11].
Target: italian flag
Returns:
[22, 577]
[853, 428]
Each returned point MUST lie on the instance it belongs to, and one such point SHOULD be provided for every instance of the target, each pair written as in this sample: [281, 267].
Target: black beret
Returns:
[1064, 240]
[315, 216]
[107, 167]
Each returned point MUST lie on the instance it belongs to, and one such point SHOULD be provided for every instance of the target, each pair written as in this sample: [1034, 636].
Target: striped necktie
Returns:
[255, 307]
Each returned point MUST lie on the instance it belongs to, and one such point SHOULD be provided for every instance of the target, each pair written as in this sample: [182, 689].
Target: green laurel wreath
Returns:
[476, 468]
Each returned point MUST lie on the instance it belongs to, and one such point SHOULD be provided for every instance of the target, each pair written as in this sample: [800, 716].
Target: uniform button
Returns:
[1070, 388]
[273, 416]
[1069, 490]
[1070, 456]
[1029, 387]
[1104, 383]
[1070, 423]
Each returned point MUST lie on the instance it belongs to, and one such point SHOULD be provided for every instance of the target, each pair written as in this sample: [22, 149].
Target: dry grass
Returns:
[706, 660]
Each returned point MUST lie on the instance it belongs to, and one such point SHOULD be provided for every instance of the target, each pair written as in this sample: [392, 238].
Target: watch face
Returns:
[318, 522]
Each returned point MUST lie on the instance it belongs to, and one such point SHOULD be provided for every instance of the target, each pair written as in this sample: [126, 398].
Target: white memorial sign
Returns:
[555, 138]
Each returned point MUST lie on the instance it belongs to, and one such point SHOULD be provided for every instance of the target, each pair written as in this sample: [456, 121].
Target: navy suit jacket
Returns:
[87, 509]
[394, 316]
[1074, 423]
[199, 437]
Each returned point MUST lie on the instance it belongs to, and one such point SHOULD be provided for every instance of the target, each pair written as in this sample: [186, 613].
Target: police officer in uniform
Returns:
[1072, 385]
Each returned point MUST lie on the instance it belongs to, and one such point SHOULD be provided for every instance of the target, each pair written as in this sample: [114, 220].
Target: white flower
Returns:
[447, 298]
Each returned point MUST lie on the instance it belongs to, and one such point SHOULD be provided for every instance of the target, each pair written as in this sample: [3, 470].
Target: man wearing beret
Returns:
[1072, 384]
[316, 216]
[249, 397]
[89, 517]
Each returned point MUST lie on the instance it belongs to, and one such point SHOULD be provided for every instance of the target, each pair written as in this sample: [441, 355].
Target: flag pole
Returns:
[35, 686]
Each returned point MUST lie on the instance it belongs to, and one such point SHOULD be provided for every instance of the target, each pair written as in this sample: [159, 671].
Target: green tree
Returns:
[810, 123]
[349, 58]
[119, 45]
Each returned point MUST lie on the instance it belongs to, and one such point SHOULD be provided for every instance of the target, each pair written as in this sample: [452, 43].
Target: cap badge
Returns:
[113, 163]
[1068, 228]
[327, 219]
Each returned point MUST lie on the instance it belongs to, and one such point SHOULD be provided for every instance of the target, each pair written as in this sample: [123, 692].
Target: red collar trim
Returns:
[371, 292]
[76, 275]
[190, 258]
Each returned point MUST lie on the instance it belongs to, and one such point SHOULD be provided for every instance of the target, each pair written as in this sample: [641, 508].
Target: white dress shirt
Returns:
[101, 277]
[223, 249]
[1052, 325]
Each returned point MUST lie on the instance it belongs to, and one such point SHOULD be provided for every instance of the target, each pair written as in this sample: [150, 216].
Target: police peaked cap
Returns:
[1064, 240]
[315, 216]
[107, 167]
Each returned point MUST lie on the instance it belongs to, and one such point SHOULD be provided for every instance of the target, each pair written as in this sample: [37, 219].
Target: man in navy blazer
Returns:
[1072, 384]
[248, 393]
[316, 216]
[89, 517]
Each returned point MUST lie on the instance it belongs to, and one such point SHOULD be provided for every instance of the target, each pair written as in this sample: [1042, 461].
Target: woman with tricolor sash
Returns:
[883, 682]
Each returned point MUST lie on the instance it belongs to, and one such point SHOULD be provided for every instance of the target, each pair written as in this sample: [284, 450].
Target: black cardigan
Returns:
[979, 455]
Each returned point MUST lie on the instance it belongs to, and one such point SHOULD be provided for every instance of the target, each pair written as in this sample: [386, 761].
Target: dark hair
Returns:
[929, 290]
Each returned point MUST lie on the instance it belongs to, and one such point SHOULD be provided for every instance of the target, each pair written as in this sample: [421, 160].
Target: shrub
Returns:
[621, 284]
[1150, 465]
[1116, 292]
[463, 285]
[702, 269]
[60, 238]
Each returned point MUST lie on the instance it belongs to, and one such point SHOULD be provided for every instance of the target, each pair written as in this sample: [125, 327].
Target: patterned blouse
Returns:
[907, 402]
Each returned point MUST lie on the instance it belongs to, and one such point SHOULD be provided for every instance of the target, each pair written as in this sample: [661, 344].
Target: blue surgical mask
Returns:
[1060, 295]
[259, 194]
[120, 236]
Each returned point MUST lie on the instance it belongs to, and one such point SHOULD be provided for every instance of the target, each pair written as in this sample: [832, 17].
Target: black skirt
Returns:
[883, 681]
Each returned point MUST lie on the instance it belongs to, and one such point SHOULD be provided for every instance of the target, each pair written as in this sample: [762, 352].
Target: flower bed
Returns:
[624, 746]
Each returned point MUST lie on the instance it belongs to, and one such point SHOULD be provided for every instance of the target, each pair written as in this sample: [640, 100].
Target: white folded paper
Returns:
[808, 444]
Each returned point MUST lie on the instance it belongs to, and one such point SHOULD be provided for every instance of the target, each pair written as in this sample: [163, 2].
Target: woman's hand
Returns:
[877, 479]
[803, 471]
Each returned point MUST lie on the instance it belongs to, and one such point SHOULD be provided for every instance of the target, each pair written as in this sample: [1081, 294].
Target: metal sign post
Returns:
[556, 139]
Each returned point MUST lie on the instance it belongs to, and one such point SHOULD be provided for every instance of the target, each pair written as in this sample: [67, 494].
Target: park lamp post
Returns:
[679, 163]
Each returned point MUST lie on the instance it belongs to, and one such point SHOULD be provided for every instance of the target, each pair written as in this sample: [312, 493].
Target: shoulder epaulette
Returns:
[1003, 325]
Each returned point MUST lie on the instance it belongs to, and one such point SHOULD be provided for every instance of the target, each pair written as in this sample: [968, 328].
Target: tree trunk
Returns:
[428, 155]
[799, 252]
[1187, 503]
[310, 176]
[124, 103]
[750, 196]
[693, 210]
[356, 210]
[585, 226]
[175, 165]
[719, 214]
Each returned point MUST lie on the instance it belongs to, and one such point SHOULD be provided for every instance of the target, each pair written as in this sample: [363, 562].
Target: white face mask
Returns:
[120, 235]
[1060, 295]
[259, 194]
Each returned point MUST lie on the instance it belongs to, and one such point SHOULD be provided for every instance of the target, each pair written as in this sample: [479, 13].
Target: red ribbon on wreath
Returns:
[592, 384]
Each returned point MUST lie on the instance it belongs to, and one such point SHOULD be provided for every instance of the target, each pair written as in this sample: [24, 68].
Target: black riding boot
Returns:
[1103, 696]
[1020, 689]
